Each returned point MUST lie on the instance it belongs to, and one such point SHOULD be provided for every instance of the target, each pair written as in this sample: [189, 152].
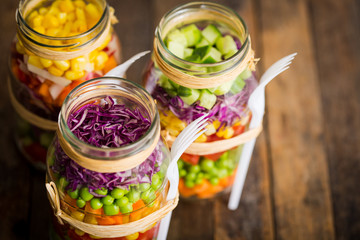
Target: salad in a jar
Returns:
[189, 77]
[108, 130]
[59, 44]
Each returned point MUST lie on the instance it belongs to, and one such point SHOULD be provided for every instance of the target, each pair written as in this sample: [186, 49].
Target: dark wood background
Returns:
[304, 178]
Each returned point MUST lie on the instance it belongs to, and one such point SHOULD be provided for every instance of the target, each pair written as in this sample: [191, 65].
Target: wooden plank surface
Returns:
[303, 179]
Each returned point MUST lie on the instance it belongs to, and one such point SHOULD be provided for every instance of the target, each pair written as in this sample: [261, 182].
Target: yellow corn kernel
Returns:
[78, 215]
[32, 15]
[52, 32]
[79, 3]
[62, 65]
[50, 21]
[62, 17]
[79, 26]
[80, 14]
[54, 10]
[228, 133]
[177, 124]
[237, 124]
[93, 55]
[216, 124]
[66, 6]
[73, 75]
[201, 138]
[79, 232]
[133, 236]
[37, 21]
[220, 133]
[94, 237]
[55, 71]
[70, 17]
[92, 11]
[78, 64]
[43, 11]
[105, 43]
[210, 129]
[35, 61]
[46, 62]
[100, 60]
[65, 30]
[173, 132]
[39, 29]
[19, 47]
[27, 52]
[90, 219]
[147, 229]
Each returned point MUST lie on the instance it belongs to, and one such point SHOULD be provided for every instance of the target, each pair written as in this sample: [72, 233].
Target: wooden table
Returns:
[303, 181]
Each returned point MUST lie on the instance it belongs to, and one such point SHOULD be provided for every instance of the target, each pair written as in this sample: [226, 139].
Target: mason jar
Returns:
[107, 163]
[59, 44]
[203, 63]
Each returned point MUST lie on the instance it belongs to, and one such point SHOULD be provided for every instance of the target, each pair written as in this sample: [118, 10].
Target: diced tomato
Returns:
[214, 156]
[239, 129]
[189, 158]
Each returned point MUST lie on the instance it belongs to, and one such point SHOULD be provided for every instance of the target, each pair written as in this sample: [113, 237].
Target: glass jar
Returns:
[203, 63]
[109, 192]
[59, 44]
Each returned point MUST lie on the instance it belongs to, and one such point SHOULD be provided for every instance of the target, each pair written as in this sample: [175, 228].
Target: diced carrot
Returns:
[118, 219]
[139, 204]
[126, 219]
[110, 64]
[184, 191]
[137, 210]
[192, 159]
[204, 186]
[238, 129]
[211, 191]
[89, 209]
[106, 220]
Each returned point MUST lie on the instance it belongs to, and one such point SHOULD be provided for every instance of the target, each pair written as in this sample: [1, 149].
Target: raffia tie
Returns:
[109, 166]
[32, 118]
[217, 146]
[113, 230]
[195, 82]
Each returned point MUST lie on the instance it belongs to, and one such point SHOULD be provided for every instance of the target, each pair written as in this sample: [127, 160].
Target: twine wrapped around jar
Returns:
[112, 230]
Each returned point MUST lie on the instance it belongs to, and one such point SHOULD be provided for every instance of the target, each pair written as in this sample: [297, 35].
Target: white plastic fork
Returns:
[120, 70]
[181, 143]
[256, 105]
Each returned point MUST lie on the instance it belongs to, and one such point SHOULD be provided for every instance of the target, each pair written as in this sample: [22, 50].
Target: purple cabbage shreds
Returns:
[228, 108]
[108, 124]
[78, 176]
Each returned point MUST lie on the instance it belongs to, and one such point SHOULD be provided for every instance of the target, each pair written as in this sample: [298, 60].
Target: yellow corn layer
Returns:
[229, 132]
[94, 237]
[35, 61]
[133, 236]
[78, 215]
[90, 219]
[100, 60]
[55, 71]
[62, 65]
[46, 62]
[79, 232]
[78, 64]
[201, 138]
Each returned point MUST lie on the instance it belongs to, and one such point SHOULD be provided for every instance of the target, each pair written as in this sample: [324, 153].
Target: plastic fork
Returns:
[120, 70]
[256, 105]
[181, 143]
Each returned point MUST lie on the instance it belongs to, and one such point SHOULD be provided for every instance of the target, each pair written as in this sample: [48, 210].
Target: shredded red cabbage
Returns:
[228, 108]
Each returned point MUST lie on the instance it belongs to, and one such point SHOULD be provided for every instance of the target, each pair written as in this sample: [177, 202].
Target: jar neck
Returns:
[122, 92]
[202, 12]
[34, 40]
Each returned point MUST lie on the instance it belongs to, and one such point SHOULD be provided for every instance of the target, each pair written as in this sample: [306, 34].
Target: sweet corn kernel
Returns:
[105, 43]
[228, 133]
[80, 14]
[177, 124]
[100, 60]
[210, 129]
[54, 10]
[37, 21]
[133, 236]
[216, 124]
[35, 61]
[62, 65]
[147, 229]
[65, 30]
[70, 17]
[78, 64]
[39, 29]
[93, 55]
[66, 6]
[201, 138]
[94, 237]
[73, 75]
[173, 132]
[79, 4]
[79, 26]
[78, 215]
[46, 62]
[50, 21]
[55, 71]
[52, 32]
[221, 132]
[90, 219]
[19, 47]
[32, 15]
[43, 11]
[79, 232]
[27, 52]
[62, 17]
[92, 11]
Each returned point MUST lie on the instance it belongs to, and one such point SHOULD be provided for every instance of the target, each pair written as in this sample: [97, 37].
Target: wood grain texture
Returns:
[336, 31]
[301, 190]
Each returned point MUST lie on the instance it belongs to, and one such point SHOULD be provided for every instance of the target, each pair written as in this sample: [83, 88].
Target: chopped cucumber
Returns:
[222, 89]
[211, 34]
[246, 74]
[193, 97]
[164, 82]
[176, 48]
[202, 43]
[188, 52]
[207, 99]
[212, 56]
[176, 36]
[230, 54]
[226, 44]
[192, 34]
[193, 58]
[202, 51]
[237, 85]
[184, 91]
